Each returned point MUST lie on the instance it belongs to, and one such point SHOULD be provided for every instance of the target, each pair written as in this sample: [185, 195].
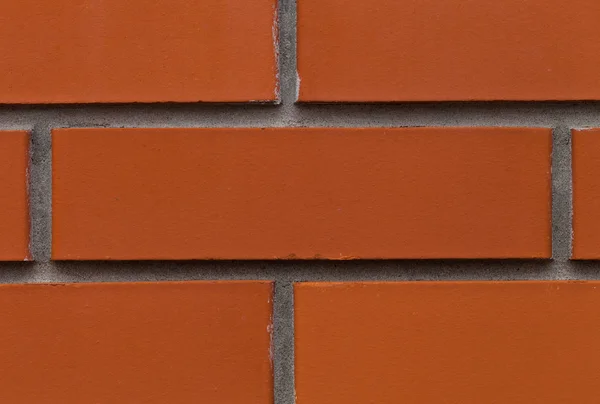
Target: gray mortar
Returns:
[40, 119]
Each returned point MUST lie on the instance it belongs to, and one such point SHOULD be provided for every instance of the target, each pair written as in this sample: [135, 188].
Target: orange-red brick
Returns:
[14, 206]
[586, 194]
[447, 342]
[334, 193]
[89, 51]
[438, 50]
[178, 343]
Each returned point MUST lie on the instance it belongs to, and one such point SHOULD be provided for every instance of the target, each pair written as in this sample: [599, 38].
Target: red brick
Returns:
[14, 205]
[87, 51]
[586, 194]
[438, 50]
[301, 193]
[190, 342]
[447, 342]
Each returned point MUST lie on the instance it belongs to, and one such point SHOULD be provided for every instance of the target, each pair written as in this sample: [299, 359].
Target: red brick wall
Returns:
[310, 201]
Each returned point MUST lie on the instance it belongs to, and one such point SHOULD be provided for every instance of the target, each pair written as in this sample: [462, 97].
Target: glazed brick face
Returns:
[171, 342]
[89, 51]
[586, 194]
[450, 342]
[301, 193]
[14, 205]
[440, 50]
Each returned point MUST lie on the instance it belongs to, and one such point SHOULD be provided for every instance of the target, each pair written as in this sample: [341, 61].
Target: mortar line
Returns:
[283, 308]
[287, 61]
[561, 199]
[283, 343]
[40, 193]
[319, 270]
[290, 114]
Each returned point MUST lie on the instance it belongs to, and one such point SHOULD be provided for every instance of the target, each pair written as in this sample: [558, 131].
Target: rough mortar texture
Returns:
[40, 119]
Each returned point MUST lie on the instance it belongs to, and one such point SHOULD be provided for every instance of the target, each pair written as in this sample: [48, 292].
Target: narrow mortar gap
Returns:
[561, 200]
[283, 343]
[287, 56]
[40, 192]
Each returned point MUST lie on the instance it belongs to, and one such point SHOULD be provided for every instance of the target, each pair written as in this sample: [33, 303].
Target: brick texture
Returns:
[157, 343]
[453, 342]
[182, 167]
[301, 193]
[84, 51]
[14, 205]
[438, 50]
[586, 194]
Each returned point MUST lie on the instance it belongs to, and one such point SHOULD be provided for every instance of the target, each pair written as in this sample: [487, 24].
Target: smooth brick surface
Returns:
[82, 51]
[454, 342]
[301, 193]
[14, 206]
[416, 50]
[192, 342]
[586, 194]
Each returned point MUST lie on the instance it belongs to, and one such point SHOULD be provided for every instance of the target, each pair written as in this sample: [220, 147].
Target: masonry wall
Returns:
[311, 201]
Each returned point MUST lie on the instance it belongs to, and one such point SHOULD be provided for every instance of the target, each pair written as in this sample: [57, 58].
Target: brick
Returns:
[447, 342]
[92, 51]
[14, 205]
[586, 194]
[435, 50]
[301, 193]
[170, 342]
